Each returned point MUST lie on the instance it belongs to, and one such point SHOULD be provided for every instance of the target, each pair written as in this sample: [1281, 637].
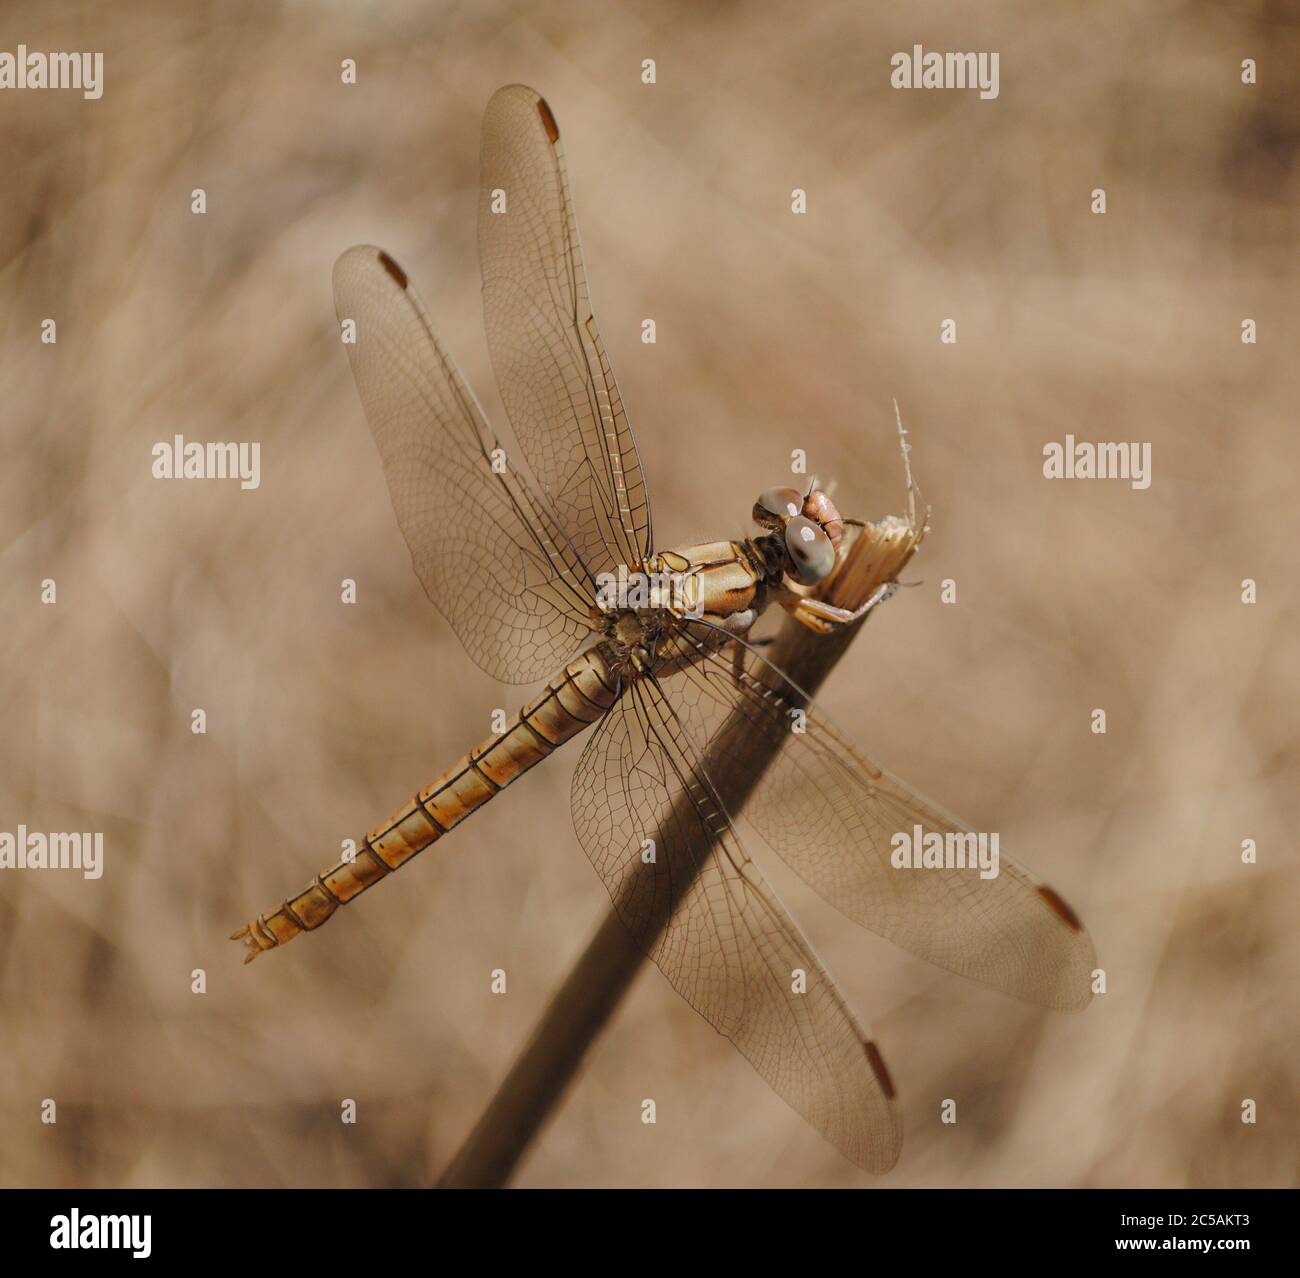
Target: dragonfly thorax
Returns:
[628, 630]
[635, 635]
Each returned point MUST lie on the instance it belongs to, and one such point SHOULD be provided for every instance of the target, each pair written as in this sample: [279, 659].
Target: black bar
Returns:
[259, 1231]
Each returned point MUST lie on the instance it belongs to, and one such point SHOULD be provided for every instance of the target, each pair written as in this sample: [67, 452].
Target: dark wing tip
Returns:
[548, 121]
[1060, 908]
[877, 1063]
[392, 268]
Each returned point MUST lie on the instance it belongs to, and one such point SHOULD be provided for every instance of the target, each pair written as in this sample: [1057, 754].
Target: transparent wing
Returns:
[702, 910]
[488, 551]
[551, 366]
[830, 813]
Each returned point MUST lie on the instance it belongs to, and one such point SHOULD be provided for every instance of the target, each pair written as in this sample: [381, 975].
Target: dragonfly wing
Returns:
[831, 813]
[704, 913]
[551, 365]
[488, 551]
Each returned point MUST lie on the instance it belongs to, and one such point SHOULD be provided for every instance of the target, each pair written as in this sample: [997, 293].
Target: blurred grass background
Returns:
[774, 332]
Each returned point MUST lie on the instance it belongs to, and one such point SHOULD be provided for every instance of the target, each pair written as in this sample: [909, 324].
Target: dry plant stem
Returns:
[605, 971]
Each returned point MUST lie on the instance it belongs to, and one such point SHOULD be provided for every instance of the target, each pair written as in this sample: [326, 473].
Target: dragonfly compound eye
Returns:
[808, 550]
[777, 505]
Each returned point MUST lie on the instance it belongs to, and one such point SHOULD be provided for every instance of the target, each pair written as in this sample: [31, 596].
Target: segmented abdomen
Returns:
[575, 698]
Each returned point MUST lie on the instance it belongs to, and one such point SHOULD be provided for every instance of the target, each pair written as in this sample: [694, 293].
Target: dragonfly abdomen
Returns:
[578, 696]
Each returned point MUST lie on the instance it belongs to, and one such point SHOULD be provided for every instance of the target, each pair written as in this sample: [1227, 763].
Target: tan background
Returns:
[775, 332]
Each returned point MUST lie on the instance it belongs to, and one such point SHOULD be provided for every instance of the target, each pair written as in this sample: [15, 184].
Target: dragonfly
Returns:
[548, 571]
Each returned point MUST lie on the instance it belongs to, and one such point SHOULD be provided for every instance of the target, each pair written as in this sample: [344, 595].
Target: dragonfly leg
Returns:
[826, 618]
[738, 650]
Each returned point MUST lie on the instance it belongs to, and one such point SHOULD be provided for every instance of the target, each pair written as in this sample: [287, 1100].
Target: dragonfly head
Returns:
[809, 528]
